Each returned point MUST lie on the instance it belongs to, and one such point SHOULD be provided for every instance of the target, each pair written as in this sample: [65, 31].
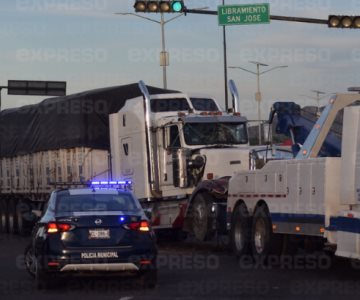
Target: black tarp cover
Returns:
[78, 120]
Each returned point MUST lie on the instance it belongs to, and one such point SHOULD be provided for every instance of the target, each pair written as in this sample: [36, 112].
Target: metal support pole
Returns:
[259, 100]
[225, 67]
[162, 25]
[0, 97]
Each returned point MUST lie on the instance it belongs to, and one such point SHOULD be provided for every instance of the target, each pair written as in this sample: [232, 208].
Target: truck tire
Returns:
[11, 212]
[240, 231]
[3, 216]
[21, 208]
[202, 219]
[261, 234]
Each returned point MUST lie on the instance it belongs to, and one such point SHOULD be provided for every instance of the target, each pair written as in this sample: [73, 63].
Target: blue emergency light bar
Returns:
[122, 184]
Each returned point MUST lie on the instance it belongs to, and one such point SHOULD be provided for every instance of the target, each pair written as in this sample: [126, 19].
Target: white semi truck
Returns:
[178, 161]
[171, 147]
[306, 198]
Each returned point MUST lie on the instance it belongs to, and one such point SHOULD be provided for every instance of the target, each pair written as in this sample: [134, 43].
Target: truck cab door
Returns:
[171, 142]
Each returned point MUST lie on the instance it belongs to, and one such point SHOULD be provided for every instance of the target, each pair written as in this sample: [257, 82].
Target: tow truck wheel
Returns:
[261, 233]
[201, 218]
[240, 231]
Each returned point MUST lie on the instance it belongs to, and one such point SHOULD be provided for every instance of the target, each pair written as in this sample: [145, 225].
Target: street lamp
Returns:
[318, 93]
[258, 96]
[317, 98]
[164, 55]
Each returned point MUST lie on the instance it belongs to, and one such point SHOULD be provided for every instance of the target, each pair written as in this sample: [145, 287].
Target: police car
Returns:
[95, 230]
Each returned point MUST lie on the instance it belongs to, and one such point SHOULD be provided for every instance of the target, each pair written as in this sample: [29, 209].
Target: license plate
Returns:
[99, 234]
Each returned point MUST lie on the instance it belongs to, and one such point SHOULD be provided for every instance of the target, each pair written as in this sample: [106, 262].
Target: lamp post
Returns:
[164, 56]
[258, 96]
[317, 98]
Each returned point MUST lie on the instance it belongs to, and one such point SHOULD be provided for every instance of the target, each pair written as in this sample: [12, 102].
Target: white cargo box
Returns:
[38, 172]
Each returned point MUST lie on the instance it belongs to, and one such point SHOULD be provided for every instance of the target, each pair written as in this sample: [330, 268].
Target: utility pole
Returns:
[258, 96]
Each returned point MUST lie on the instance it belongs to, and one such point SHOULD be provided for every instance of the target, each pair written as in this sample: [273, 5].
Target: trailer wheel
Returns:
[11, 212]
[202, 220]
[240, 231]
[261, 233]
[21, 208]
[3, 216]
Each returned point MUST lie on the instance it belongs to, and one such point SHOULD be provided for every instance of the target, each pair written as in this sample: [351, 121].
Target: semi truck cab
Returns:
[171, 149]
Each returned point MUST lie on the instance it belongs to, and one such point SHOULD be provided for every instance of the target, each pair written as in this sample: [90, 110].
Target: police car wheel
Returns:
[29, 259]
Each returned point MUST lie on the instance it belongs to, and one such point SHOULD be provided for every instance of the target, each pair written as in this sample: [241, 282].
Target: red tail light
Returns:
[53, 227]
[140, 226]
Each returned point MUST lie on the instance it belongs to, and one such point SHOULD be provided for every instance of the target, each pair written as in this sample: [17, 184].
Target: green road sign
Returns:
[244, 14]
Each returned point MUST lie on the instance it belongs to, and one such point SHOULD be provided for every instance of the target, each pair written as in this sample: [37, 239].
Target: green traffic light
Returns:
[177, 6]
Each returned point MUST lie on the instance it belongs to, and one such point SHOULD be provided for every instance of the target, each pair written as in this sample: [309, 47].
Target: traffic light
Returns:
[336, 21]
[159, 6]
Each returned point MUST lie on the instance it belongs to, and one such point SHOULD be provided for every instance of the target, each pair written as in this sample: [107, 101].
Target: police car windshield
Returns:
[95, 202]
[215, 133]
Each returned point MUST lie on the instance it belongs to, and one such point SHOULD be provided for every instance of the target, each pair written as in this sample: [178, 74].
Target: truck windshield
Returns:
[172, 104]
[215, 133]
[204, 104]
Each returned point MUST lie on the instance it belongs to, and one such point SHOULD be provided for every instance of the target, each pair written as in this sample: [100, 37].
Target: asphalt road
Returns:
[188, 271]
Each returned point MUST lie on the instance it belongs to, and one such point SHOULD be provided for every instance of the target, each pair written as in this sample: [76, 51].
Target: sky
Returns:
[84, 43]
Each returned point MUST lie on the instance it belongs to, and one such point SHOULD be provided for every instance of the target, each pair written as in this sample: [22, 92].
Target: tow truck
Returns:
[313, 196]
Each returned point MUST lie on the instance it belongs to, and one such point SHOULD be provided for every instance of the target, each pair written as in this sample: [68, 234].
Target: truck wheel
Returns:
[11, 212]
[201, 218]
[3, 216]
[261, 233]
[240, 231]
[21, 208]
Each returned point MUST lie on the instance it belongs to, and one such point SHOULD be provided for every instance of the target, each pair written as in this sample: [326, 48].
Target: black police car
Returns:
[92, 230]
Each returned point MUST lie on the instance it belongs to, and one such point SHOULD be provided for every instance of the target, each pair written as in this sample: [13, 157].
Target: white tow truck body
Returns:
[308, 196]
